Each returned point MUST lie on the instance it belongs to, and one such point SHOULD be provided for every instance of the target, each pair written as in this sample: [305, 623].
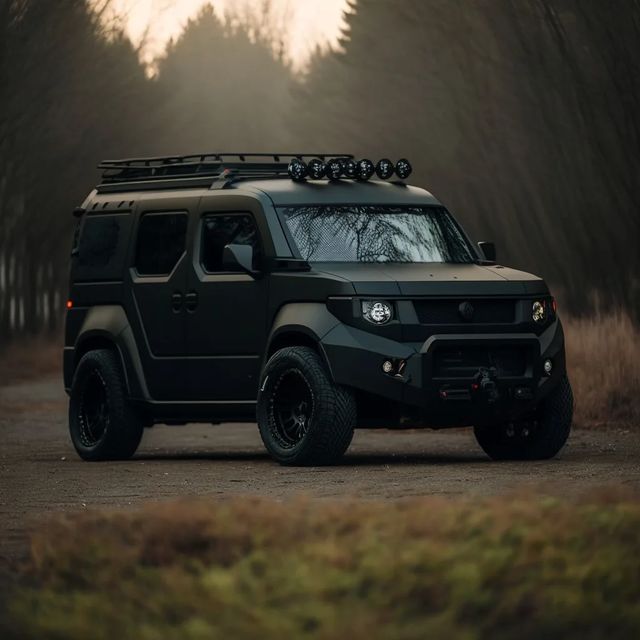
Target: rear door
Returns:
[226, 310]
[158, 281]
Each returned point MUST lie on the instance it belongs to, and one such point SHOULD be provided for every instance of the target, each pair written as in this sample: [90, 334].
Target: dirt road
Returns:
[40, 472]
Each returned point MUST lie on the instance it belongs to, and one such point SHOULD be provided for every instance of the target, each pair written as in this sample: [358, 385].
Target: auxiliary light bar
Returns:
[336, 168]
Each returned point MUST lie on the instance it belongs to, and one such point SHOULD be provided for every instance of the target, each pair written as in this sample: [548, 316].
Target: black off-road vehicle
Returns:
[295, 290]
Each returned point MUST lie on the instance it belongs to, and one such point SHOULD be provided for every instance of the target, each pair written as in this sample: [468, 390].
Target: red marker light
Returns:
[475, 386]
[69, 304]
[554, 305]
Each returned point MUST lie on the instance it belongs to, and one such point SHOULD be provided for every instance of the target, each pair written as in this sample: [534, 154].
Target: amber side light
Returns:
[554, 305]
[69, 304]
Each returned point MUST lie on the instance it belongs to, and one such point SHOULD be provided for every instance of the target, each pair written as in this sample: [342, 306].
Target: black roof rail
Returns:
[215, 170]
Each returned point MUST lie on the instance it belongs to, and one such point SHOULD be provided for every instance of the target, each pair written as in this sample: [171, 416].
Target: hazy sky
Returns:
[310, 22]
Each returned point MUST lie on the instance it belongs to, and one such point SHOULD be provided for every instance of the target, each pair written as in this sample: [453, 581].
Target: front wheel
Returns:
[304, 418]
[539, 438]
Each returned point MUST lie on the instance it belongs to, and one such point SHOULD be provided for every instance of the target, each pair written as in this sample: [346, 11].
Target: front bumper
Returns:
[439, 385]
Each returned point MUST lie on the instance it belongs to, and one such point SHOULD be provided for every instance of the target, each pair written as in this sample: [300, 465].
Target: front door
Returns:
[156, 307]
[226, 311]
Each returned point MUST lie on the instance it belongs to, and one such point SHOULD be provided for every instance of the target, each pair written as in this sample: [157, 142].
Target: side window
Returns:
[161, 242]
[222, 229]
[100, 246]
[99, 241]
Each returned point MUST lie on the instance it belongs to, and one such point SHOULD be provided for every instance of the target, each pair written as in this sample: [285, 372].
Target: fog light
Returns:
[548, 366]
[387, 366]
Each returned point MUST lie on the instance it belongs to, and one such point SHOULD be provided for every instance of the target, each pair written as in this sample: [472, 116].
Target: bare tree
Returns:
[521, 114]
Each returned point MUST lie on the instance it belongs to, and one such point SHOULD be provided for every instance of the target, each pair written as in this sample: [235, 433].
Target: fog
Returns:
[520, 115]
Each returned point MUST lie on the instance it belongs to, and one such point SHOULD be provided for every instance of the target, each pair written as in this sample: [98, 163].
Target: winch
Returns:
[485, 383]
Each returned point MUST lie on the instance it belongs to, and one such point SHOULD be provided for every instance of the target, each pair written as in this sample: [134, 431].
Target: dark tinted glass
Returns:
[221, 230]
[352, 233]
[161, 241]
[98, 241]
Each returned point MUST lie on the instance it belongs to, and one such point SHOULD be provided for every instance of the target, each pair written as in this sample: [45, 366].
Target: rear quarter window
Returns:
[102, 247]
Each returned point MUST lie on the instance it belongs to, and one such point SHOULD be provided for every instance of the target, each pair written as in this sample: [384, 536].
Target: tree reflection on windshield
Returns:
[376, 234]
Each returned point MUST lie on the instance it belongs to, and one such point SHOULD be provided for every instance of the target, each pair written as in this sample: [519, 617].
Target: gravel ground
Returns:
[40, 472]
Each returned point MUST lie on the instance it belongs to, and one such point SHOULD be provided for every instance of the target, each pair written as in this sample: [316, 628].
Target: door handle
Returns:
[176, 301]
[191, 300]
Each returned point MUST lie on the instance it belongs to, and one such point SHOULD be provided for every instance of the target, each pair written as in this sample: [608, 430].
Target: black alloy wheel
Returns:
[291, 407]
[93, 412]
[103, 424]
[539, 437]
[305, 419]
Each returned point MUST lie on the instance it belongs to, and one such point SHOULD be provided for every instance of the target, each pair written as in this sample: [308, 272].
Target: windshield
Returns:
[349, 233]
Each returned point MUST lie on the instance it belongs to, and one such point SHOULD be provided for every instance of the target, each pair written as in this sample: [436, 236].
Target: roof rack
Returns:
[213, 170]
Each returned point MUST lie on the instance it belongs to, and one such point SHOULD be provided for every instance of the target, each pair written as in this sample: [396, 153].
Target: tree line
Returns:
[519, 114]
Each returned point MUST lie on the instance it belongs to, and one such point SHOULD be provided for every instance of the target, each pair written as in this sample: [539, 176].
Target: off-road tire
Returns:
[539, 439]
[332, 417]
[99, 373]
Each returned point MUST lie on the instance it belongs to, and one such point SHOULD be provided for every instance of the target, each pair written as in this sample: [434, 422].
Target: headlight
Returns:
[538, 312]
[376, 311]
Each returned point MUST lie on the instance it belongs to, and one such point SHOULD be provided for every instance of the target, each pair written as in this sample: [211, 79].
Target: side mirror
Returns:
[488, 249]
[238, 257]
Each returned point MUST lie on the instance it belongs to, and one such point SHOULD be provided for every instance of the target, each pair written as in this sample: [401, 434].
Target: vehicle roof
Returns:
[263, 174]
[285, 192]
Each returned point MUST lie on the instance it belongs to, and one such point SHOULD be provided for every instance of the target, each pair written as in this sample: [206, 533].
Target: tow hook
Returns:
[485, 380]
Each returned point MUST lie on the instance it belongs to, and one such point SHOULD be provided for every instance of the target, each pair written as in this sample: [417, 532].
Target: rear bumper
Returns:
[439, 382]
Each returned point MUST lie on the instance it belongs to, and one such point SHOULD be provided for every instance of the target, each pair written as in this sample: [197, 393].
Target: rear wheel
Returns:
[304, 418]
[102, 423]
[538, 438]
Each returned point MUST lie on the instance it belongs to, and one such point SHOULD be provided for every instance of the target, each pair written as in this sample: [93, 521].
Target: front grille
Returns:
[464, 362]
[448, 311]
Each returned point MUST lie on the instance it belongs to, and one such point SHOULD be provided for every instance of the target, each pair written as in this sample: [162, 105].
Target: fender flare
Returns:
[301, 323]
[110, 323]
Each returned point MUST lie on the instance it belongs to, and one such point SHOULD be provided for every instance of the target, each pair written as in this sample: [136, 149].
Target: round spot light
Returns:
[297, 170]
[350, 168]
[384, 169]
[548, 366]
[403, 168]
[365, 169]
[538, 313]
[334, 169]
[317, 169]
[387, 366]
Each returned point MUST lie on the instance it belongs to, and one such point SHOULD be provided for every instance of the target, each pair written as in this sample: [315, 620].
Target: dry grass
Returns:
[603, 357]
[523, 566]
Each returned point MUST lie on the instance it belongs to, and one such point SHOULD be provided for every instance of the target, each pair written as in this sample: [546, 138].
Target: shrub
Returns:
[520, 566]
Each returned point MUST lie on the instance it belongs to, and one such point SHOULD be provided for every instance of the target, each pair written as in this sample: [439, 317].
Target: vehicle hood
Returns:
[433, 279]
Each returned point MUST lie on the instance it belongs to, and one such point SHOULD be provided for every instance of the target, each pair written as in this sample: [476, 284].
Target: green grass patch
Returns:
[520, 566]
